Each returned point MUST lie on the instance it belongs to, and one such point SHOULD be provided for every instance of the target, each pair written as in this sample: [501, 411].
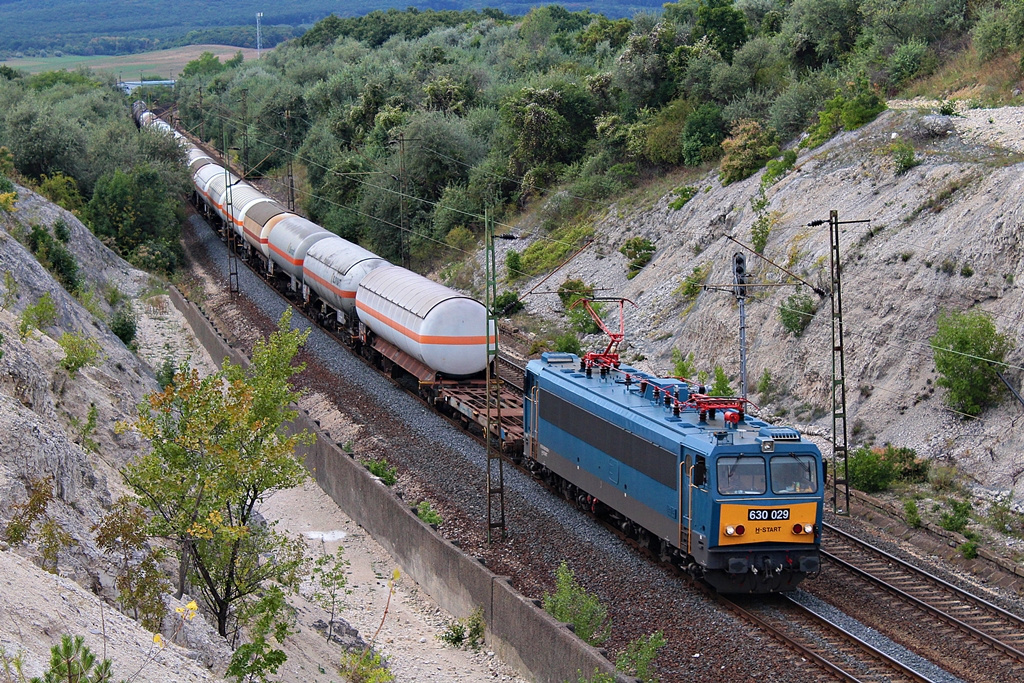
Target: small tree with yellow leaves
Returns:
[219, 448]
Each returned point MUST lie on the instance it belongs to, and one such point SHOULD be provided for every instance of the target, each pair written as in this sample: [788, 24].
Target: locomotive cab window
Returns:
[794, 474]
[741, 475]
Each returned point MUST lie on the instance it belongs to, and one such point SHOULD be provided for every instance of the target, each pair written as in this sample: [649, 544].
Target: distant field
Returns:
[163, 63]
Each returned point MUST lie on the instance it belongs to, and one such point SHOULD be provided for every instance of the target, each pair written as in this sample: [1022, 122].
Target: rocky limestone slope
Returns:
[945, 235]
[43, 408]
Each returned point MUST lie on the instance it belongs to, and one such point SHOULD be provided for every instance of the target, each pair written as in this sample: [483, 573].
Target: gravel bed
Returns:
[873, 638]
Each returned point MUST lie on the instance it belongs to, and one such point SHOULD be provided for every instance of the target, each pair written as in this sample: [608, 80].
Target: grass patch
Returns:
[547, 252]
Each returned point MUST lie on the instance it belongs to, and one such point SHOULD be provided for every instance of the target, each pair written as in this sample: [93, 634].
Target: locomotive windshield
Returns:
[794, 474]
[741, 475]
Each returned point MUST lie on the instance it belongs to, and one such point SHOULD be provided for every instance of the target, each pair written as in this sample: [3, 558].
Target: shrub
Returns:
[969, 549]
[903, 156]
[365, 667]
[720, 386]
[957, 517]
[913, 517]
[42, 313]
[380, 468]
[124, 324]
[683, 194]
[63, 191]
[572, 604]
[61, 230]
[1001, 516]
[546, 253]
[796, 313]
[682, 367]
[63, 265]
[776, 168]
[568, 342]
[460, 238]
[428, 514]
[78, 351]
[165, 374]
[508, 303]
[702, 135]
[639, 251]
[842, 112]
[967, 350]
[870, 471]
[10, 290]
[467, 631]
[692, 285]
[748, 149]
[943, 479]
[638, 656]
[513, 264]
[571, 290]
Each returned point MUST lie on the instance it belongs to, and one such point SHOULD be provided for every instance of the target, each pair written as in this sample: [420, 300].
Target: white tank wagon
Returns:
[259, 219]
[333, 269]
[204, 175]
[217, 189]
[289, 240]
[242, 196]
[436, 325]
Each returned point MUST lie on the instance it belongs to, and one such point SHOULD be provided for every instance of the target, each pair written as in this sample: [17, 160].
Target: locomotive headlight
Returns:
[808, 528]
[730, 530]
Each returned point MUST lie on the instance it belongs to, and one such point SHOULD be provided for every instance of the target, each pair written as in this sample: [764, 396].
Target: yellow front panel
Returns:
[767, 530]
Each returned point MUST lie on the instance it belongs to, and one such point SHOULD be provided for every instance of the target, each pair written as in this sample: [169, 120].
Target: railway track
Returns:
[959, 625]
[836, 650]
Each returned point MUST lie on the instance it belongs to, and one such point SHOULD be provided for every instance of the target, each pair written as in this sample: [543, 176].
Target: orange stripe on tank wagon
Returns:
[343, 293]
[421, 338]
[286, 257]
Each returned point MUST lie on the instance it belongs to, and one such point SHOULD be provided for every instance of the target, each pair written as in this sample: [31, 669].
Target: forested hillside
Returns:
[38, 28]
[407, 131]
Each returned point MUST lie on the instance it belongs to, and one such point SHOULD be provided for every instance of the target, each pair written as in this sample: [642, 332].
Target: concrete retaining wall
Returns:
[517, 629]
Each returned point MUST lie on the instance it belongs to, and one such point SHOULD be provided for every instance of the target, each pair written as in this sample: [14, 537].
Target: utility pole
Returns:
[840, 480]
[259, 35]
[202, 118]
[291, 177]
[245, 131]
[492, 396]
[404, 237]
[739, 278]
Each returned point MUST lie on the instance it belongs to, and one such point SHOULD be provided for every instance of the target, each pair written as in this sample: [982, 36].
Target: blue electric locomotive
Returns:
[735, 500]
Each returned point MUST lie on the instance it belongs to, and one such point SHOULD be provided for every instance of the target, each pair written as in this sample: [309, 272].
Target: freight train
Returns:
[735, 501]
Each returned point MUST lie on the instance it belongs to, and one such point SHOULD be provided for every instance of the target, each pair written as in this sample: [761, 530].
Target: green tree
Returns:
[140, 583]
[723, 23]
[136, 215]
[219, 448]
[968, 350]
[72, 662]
[721, 386]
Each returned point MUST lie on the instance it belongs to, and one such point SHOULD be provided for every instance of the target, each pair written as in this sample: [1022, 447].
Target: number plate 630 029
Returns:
[765, 515]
